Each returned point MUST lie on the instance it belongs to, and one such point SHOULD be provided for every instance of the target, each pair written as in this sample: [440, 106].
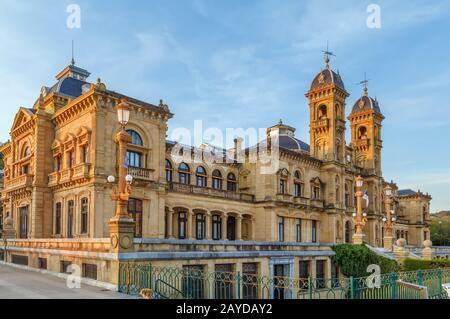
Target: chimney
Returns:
[238, 153]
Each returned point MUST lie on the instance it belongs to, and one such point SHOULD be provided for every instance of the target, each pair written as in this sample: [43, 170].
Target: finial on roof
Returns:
[72, 62]
[280, 122]
[365, 84]
[165, 107]
[327, 53]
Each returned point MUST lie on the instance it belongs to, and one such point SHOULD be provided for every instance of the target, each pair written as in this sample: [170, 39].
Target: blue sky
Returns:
[248, 63]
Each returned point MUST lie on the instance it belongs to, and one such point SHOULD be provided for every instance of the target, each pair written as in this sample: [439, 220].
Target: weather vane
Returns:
[73, 57]
[327, 54]
[364, 83]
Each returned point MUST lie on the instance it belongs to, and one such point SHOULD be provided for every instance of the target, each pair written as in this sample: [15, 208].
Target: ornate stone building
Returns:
[214, 216]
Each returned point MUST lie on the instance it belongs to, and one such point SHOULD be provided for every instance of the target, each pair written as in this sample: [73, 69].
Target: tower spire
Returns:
[327, 53]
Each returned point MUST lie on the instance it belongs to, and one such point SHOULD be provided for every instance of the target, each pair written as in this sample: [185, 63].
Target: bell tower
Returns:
[326, 98]
[365, 122]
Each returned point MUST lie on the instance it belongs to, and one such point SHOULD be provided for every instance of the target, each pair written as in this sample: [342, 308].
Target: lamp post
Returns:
[389, 220]
[360, 218]
[121, 225]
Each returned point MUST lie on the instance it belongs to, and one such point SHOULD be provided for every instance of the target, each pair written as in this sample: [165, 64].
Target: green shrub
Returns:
[419, 264]
[353, 260]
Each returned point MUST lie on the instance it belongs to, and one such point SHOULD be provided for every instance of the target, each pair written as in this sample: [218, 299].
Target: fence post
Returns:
[441, 289]
[420, 277]
[310, 288]
[352, 288]
[394, 285]
[238, 285]
[151, 278]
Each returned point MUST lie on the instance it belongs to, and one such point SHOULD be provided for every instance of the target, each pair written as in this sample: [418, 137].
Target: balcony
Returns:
[317, 203]
[206, 191]
[362, 144]
[65, 175]
[24, 181]
[321, 125]
[284, 197]
[53, 179]
[81, 171]
[301, 201]
[138, 173]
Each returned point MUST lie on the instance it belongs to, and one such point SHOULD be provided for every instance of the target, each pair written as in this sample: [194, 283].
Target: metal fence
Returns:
[185, 283]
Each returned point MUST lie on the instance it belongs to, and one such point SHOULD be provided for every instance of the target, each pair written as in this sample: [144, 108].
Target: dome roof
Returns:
[365, 103]
[327, 77]
[292, 143]
[69, 86]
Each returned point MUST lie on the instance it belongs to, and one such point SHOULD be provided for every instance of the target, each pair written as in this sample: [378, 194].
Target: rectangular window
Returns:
[182, 223]
[334, 275]
[217, 227]
[42, 263]
[304, 274]
[200, 226]
[135, 211]
[224, 279]
[184, 178]
[70, 159]
[282, 186]
[298, 230]
[134, 159]
[194, 282]
[19, 260]
[314, 231]
[90, 271]
[58, 214]
[84, 215]
[23, 212]
[320, 274]
[250, 280]
[85, 154]
[298, 190]
[63, 266]
[316, 193]
[70, 218]
[281, 229]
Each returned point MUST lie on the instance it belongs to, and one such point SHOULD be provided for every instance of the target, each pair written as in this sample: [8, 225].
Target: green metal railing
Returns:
[185, 283]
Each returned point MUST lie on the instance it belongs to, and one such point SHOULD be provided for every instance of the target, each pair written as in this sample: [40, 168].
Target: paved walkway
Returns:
[22, 284]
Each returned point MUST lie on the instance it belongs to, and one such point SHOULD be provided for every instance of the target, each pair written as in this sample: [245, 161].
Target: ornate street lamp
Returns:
[360, 218]
[121, 194]
[122, 224]
[389, 220]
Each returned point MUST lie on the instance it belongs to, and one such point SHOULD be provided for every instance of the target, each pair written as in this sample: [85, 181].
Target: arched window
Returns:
[322, 112]
[217, 179]
[338, 111]
[135, 138]
[347, 195]
[184, 174]
[425, 211]
[298, 184]
[348, 228]
[84, 215]
[231, 182]
[201, 177]
[26, 151]
[169, 171]
[362, 133]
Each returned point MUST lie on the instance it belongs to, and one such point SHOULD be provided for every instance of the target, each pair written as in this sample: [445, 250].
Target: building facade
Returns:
[189, 211]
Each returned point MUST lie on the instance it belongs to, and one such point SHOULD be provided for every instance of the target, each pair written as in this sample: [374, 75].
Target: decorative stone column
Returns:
[427, 252]
[208, 226]
[170, 224]
[239, 227]
[400, 253]
[190, 228]
[224, 226]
